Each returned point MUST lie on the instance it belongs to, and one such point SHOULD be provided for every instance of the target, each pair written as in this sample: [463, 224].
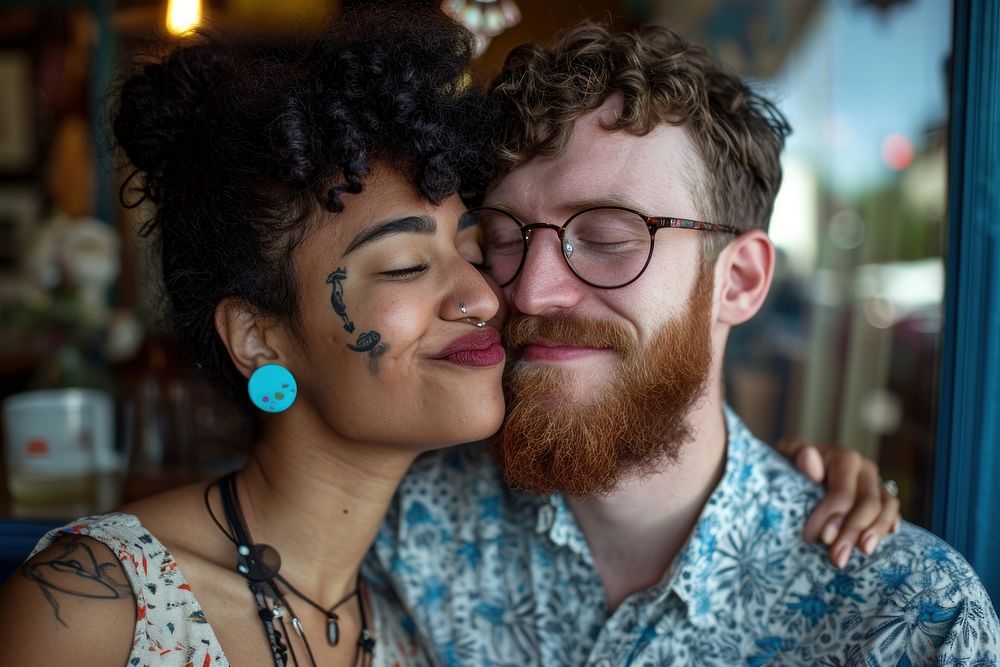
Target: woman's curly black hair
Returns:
[239, 144]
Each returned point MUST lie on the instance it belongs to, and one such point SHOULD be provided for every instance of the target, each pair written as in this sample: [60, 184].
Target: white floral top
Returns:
[171, 629]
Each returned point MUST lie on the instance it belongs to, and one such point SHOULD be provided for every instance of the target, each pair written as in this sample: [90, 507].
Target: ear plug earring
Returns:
[272, 388]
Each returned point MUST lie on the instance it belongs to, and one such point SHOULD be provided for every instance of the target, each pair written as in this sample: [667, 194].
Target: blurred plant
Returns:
[55, 310]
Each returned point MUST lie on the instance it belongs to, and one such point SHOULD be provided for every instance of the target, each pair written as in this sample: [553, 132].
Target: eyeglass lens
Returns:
[606, 247]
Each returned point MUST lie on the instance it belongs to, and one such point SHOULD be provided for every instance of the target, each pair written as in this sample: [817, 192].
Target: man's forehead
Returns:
[656, 170]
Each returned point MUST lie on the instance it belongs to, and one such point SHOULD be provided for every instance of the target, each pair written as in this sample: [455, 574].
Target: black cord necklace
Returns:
[259, 564]
[332, 629]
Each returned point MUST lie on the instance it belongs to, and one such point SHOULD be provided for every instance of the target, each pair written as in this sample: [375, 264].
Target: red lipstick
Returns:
[479, 348]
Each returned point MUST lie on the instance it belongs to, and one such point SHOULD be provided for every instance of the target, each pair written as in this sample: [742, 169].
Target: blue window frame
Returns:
[967, 483]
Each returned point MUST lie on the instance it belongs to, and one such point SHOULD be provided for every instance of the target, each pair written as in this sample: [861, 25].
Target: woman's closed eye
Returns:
[408, 272]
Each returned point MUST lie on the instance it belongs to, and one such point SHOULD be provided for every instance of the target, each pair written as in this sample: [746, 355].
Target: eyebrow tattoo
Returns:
[77, 571]
[414, 224]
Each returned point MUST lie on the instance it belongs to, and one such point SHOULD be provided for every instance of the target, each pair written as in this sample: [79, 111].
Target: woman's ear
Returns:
[744, 271]
[246, 334]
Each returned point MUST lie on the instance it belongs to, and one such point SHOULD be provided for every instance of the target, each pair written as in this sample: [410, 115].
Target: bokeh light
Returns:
[897, 151]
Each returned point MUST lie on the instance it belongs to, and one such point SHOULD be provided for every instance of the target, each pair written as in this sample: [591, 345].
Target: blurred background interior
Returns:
[846, 350]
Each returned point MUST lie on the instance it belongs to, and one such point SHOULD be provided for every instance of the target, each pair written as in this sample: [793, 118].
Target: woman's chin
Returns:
[482, 427]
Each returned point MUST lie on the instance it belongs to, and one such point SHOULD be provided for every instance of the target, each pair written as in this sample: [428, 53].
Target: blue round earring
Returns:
[272, 388]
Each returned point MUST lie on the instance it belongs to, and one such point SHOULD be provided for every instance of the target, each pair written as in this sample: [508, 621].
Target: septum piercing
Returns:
[461, 307]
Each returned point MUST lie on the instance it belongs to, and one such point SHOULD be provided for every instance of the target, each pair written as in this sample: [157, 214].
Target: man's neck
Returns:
[636, 532]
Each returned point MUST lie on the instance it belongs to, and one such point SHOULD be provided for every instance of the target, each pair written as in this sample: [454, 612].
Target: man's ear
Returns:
[248, 336]
[744, 271]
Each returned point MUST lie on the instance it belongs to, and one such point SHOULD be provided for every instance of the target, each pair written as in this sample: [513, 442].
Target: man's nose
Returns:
[545, 281]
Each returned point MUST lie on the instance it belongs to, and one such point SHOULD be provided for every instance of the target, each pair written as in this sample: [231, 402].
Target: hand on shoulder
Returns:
[857, 509]
[71, 603]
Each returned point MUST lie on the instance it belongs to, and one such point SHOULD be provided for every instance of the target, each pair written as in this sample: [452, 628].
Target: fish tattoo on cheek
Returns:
[337, 279]
[368, 342]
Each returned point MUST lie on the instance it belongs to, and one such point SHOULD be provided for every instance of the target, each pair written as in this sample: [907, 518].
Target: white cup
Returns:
[56, 440]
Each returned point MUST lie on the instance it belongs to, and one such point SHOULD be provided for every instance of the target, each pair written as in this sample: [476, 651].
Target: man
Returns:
[627, 231]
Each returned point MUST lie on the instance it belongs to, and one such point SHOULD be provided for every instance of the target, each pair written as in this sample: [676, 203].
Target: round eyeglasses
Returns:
[604, 246]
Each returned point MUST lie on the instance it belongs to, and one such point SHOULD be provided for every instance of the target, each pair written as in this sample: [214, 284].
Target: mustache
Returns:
[523, 330]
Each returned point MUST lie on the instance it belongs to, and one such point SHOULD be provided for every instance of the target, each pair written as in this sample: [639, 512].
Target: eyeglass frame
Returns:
[654, 223]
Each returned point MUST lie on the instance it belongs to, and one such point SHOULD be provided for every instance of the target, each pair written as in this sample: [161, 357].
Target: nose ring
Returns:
[461, 307]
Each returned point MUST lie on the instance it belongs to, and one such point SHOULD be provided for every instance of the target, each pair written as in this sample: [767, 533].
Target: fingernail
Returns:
[896, 526]
[868, 543]
[832, 529]
[841, 554]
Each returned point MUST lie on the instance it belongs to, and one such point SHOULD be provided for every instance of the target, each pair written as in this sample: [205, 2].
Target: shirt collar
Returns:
[556, 521]
[695, 576]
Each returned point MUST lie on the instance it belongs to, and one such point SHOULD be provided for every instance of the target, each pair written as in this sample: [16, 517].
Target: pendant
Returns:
[332, 631]
[367, 642]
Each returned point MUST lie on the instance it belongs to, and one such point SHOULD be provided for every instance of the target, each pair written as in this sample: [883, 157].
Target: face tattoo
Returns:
[369, 342]
[337, 297]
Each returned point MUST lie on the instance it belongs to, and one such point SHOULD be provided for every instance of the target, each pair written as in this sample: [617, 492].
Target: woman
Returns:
[315, 258]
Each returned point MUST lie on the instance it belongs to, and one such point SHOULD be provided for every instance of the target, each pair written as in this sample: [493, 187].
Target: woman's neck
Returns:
[319, 502]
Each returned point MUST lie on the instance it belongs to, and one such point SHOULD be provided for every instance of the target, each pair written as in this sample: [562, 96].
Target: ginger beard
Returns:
[551, 442]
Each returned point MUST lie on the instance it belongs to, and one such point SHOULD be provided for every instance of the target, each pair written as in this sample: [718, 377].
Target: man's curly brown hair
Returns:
[662, 78]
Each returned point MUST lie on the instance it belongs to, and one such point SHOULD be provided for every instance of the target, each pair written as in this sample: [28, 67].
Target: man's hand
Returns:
[857, 510]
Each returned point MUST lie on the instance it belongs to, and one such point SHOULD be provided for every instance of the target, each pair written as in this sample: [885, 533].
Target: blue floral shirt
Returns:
[492, 577]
